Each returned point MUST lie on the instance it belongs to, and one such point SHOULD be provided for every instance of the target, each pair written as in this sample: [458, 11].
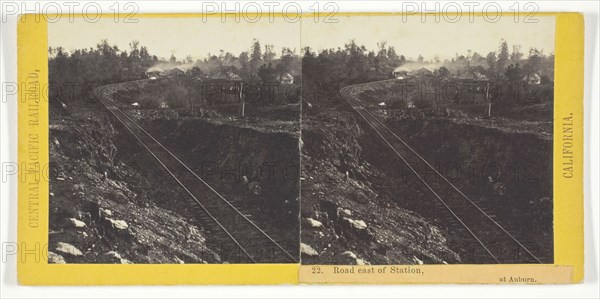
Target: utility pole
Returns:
[487, 97]
[242, 100]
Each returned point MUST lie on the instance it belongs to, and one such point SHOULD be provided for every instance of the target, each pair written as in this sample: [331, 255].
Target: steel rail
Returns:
[113, 109]
[375, 121]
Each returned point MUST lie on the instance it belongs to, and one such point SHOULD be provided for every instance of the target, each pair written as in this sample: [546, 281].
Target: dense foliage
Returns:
[74, 75]
[324, 73]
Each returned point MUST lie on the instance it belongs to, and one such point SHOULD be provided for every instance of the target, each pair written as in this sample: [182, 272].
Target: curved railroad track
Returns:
[497, 243]
[248, 242]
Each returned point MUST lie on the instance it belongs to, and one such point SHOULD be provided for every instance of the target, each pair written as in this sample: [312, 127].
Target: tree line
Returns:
[81, 69]
[326, 70]
[257, 63]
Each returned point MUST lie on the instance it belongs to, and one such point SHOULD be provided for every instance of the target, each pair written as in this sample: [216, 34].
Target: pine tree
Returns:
[502, 62]
[255, 58]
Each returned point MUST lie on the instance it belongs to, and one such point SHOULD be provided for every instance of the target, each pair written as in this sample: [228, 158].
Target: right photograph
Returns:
[427, 140]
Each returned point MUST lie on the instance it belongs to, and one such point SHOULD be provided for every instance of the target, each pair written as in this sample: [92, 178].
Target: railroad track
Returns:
[497, 242]
[248, 242]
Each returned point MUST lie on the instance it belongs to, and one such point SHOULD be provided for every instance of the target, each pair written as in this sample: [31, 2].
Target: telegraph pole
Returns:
[487, 97]
[242, 100]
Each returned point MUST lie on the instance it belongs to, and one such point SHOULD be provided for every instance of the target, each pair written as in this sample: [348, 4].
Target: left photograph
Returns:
[174, 140]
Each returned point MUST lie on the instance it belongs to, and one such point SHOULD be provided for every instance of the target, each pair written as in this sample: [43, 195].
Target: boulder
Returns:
[106, 212]
[113, 257]
[356, 224]
[356, 229]
[118, 224]
[350, 258]
[305, 249]
[67, 248]
[76, 223]
[344, 212]
[312, 223]
[417, 261]
[54, 258]
[178, 260]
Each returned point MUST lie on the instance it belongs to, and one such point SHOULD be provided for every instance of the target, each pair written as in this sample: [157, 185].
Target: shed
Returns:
[424, 71]
[154, 72]
[401, 72]
[177, 71]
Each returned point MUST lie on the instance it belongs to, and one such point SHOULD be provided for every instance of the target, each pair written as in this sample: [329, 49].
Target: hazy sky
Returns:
[180, 36]
[413, 37]
[183, 36]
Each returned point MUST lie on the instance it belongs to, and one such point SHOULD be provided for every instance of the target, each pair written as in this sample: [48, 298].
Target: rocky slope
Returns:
[103, 209]
[358, 206]
[346, 217]
[112, 202]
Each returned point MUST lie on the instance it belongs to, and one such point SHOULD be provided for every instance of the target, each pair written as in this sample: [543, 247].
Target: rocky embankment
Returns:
[345, 218]
[102, 208]
[359, 205]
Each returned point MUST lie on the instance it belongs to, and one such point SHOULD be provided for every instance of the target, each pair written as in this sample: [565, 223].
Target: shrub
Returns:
[177, 96]
[149, 101]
